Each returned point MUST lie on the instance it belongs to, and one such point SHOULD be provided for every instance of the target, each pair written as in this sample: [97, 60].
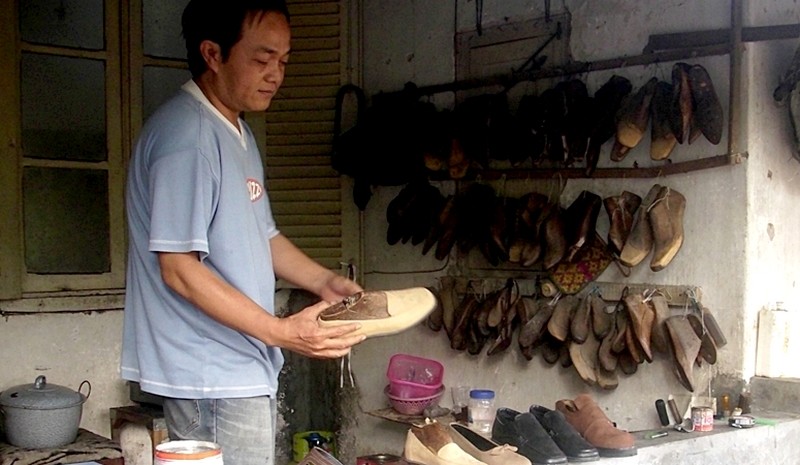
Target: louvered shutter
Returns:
[305, 191]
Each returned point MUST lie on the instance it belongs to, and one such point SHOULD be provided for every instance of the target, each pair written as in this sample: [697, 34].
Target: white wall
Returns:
[67, 349]
[732, 262]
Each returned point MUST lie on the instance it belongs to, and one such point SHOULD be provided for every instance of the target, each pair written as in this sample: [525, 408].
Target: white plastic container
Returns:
[481, 410]
[778, 351]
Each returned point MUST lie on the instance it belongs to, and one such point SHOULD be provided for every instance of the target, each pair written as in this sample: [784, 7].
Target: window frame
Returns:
[20, 290]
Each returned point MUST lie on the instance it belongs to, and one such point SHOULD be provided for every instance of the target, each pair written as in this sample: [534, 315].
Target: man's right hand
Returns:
[302, 333]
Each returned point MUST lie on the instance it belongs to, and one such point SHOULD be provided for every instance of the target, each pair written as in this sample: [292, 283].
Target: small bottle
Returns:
[744, 400]
[481, 410]
[317, 440]
[726, 405]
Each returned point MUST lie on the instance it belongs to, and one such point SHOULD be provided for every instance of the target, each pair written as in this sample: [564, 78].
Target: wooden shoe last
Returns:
[381, 313]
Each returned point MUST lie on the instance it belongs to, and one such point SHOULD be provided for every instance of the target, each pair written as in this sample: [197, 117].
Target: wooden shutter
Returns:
[305, 192]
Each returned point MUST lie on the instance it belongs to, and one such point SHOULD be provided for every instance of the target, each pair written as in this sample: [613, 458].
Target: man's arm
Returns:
[291, 264]
[185, 274]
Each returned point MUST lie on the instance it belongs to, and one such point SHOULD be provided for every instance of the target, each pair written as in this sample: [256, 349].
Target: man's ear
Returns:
[212, 54]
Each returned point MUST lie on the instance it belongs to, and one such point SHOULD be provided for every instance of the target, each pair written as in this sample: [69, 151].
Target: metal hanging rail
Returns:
[575, 67]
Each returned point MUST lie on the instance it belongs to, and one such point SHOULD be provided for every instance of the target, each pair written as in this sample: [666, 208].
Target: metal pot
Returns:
[42, 415]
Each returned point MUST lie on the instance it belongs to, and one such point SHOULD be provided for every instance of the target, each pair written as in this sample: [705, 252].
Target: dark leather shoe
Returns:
[662, 139]
[581, 222]
[707, 108]
[681, 112]
[566, 438]
[554, 236]
[525, 432]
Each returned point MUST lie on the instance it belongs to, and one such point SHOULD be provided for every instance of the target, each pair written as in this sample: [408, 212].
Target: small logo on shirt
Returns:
[255, 189]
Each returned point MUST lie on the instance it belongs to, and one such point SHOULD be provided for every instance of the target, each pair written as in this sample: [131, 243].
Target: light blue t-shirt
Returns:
[196, 184]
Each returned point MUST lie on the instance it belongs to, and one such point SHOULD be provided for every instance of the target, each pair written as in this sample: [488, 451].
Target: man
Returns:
[199, 326]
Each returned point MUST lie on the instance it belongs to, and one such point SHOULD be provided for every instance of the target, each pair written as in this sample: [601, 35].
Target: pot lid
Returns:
[41, 396]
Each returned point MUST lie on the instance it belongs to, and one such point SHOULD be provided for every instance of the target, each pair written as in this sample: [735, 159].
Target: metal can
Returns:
[188, 453]
[703, 418]
[379, 459]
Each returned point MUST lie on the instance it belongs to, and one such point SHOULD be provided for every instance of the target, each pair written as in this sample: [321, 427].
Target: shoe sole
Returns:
[405, 307]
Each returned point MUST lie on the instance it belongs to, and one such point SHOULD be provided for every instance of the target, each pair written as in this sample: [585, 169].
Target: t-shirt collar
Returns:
[194, 90]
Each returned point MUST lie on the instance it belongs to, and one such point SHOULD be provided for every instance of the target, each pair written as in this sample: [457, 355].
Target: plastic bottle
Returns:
[317, 440]
[481, 410]
[744, 399]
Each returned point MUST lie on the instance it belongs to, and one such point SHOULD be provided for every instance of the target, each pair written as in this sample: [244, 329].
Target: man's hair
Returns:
[221, 22]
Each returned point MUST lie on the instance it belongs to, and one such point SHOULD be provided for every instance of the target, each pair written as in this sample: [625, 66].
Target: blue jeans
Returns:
[244, 428]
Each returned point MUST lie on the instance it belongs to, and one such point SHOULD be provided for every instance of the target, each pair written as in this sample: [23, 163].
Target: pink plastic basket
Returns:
[412, 377]
[413, 406]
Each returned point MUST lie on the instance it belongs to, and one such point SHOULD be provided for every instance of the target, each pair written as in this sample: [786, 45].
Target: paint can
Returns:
[188, 453]
[703, 418]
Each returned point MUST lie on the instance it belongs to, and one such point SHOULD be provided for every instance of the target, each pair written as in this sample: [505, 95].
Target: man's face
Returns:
[254, 71]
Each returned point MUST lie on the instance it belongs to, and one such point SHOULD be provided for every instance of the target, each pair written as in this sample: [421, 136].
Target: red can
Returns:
[703, 418]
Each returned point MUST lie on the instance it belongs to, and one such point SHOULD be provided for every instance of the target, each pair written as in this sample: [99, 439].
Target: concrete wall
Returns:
[726, 254]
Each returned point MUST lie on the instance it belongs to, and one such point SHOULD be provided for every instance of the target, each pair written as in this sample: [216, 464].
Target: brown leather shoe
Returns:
[606, 379]
[626, 363]
[685, 346]
[618, 151]
[666, 221]
[606, 358]
[531, 332]
[446, 229]
[634, 114]
[608, 99]
[708, 350]
[581, 324]
[602, 321]
[581, 222]
[681, 112]
[642, 317]
[640, 240]
[584, 359]
[621, 324]
[435, 318]
[551, 348]
[659, 339]
[621, 210]
[589, 420]
[559, 323]
[632, 345]
[662, 140]
[554, 235]
[713, 327]
[464, 314]
[449, 301]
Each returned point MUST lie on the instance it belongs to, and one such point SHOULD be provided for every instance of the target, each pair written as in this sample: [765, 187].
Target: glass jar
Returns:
[481, 410]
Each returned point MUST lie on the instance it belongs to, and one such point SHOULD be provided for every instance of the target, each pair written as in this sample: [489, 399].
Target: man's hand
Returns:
[303, 334]
[338, 287]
